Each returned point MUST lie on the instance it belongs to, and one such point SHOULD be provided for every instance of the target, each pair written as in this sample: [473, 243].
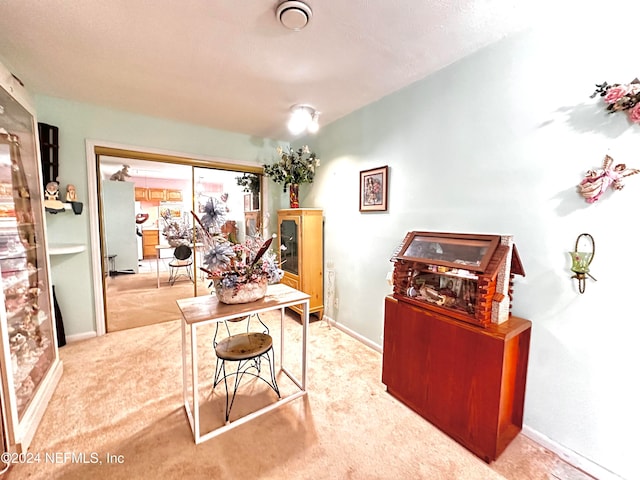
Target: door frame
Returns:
[93, 150]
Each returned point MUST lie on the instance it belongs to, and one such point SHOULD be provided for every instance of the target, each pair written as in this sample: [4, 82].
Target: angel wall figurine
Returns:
[597, 181]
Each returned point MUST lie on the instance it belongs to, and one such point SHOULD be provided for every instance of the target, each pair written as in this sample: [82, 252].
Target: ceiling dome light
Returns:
[294, 15]
[300, 118]
[303, 117]
[313, 126]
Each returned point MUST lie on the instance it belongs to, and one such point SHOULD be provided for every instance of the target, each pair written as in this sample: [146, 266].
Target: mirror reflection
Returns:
[151, 252]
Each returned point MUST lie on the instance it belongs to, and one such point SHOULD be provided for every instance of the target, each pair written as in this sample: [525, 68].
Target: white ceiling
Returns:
[230, 65]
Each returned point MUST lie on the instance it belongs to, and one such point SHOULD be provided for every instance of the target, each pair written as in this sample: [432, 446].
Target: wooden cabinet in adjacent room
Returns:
[150, 238]
[173, 195]
[300, 236]
[466, 380]
[158, 195]
[141, 194]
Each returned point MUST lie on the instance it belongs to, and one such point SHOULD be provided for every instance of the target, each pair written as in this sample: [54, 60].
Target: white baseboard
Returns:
[80, 336]
[351, 333]
[569, 456]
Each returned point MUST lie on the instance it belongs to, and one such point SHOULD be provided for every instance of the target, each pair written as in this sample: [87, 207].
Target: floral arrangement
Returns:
[294, 167]
[176, 229]
[621, 97]
[234, 264]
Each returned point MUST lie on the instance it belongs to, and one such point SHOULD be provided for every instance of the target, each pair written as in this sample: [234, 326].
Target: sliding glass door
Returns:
[166, 198]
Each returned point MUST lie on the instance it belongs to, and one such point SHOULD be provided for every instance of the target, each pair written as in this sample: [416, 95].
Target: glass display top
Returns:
[470, 252]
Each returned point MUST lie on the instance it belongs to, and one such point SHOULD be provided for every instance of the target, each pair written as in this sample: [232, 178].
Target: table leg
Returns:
[305, 330]
[185, 376]
[194, 380]
[301, 383]
[282, 338]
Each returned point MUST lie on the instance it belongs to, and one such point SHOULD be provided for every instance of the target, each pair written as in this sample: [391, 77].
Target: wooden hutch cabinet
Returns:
[300, 236]
[451, 351]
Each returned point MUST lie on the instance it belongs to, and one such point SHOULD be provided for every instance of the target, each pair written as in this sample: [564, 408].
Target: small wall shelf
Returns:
[67, 206]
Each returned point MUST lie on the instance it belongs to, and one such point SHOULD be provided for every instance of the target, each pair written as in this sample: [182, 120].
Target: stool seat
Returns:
[244, 346]
[247, 350]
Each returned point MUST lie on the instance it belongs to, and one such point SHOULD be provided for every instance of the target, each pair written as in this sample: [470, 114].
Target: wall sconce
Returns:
[303, 117]
[580, 261]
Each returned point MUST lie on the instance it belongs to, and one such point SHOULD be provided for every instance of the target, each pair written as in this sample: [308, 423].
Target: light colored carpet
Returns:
[135, 300]
[121, 395]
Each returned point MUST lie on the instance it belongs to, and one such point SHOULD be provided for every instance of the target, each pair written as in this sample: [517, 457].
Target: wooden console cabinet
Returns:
[467, 380]
[300, 232]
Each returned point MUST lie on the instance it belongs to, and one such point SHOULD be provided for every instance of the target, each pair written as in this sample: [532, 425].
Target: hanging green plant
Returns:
[250, 182]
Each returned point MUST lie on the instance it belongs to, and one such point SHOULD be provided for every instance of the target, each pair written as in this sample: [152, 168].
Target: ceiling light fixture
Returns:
[294, 15]
[303, 117]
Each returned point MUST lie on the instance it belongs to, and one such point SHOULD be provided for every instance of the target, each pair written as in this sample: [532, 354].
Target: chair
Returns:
[182, 258]
[247, 349]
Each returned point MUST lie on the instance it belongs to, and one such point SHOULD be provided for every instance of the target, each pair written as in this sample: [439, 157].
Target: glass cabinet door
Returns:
[26, 316]
[289, 233]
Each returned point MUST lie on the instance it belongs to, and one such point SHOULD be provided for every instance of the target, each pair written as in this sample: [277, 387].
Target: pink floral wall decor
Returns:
[621, 97]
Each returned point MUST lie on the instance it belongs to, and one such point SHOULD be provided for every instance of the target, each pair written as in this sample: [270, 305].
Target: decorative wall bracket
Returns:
[580, 261]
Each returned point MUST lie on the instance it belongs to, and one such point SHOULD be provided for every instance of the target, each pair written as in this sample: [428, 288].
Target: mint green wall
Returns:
[497, 143]
[71, 274]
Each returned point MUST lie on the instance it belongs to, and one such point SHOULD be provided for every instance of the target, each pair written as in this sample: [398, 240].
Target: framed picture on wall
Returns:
[374, 189]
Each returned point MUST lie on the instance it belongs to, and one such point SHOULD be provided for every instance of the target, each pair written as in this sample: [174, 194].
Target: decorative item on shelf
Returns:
[122, 174]
[293, 168]
[580, 261]
[72, 198]
[71, 193]
[621, 97]
[52, 203]
[239, 273]
[597, 181]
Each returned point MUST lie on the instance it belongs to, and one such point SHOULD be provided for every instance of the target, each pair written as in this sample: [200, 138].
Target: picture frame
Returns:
[374, 189]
